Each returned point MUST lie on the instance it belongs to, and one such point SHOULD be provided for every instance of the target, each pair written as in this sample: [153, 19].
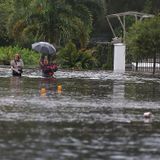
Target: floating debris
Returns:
[147, 115]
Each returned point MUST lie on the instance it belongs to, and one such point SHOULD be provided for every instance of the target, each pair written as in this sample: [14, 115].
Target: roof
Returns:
[137, 15]
[131, 13]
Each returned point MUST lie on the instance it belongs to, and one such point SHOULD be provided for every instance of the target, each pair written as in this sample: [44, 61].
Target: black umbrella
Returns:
[44, 47]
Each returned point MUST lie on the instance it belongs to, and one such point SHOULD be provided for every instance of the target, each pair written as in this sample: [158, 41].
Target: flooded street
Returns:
[79, 115]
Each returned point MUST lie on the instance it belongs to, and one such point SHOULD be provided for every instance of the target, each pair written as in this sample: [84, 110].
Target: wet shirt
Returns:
[17, 67]
[17, 64]
[48, 70]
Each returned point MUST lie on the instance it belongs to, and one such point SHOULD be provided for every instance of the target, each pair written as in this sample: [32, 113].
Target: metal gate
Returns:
[147, 65]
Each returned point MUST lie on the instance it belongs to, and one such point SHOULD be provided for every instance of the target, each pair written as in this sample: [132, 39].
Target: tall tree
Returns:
[144, 39]
[18, 20]
[152, 6]
[54, 21]
[5, 11]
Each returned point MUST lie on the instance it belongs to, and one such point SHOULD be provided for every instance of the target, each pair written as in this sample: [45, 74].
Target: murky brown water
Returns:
[96, 116]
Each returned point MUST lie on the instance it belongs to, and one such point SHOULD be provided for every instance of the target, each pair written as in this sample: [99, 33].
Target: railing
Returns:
[147, 65]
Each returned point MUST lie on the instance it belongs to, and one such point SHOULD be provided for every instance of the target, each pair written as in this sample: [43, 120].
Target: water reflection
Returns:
[15, 85]
[118, 90]
[143, 90]
[49, 87]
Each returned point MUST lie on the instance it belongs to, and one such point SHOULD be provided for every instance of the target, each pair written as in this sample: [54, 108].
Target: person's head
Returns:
[45, 62]
[17, 56]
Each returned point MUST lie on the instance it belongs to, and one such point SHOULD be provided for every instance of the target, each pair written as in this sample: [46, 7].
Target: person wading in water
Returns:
[17, 65]
[48, 69]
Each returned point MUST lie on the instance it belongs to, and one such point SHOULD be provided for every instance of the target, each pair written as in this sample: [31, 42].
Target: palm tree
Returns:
[5, 9]
[54, 21]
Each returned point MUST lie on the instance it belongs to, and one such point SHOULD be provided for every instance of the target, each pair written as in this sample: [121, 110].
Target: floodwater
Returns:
[79, 115]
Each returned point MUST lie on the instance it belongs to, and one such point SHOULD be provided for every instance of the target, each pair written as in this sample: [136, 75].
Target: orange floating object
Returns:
[59, 88]
[43, 92]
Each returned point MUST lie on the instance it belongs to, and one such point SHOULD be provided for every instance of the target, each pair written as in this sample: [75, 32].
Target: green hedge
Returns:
[29, 57]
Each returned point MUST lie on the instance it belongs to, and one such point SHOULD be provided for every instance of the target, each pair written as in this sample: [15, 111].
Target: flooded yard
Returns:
[80, 115]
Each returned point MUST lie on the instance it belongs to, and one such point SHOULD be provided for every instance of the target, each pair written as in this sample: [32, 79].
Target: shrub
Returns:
[70, 57]
[7, 54]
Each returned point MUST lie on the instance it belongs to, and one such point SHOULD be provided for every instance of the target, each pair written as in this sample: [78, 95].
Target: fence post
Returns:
[119, 57]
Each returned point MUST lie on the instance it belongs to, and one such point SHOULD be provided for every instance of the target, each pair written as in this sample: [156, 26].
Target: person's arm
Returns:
[13, 67]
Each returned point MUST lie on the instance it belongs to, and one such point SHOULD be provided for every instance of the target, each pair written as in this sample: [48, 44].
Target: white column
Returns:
[119, 57]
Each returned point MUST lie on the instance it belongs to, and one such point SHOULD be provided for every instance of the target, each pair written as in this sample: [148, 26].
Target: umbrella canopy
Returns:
[44, 47]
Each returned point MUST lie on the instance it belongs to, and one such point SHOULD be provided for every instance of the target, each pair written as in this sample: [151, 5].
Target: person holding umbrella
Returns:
[17, 65]
[47, 51]
[48, 69]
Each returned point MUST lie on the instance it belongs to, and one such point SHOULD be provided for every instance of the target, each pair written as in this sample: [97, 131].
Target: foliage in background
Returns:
[152, 6]
[53, 21]
[29, 57]
[143, 39]
[104, 55]
[56, 21]
[5, 11]
[70, 57]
